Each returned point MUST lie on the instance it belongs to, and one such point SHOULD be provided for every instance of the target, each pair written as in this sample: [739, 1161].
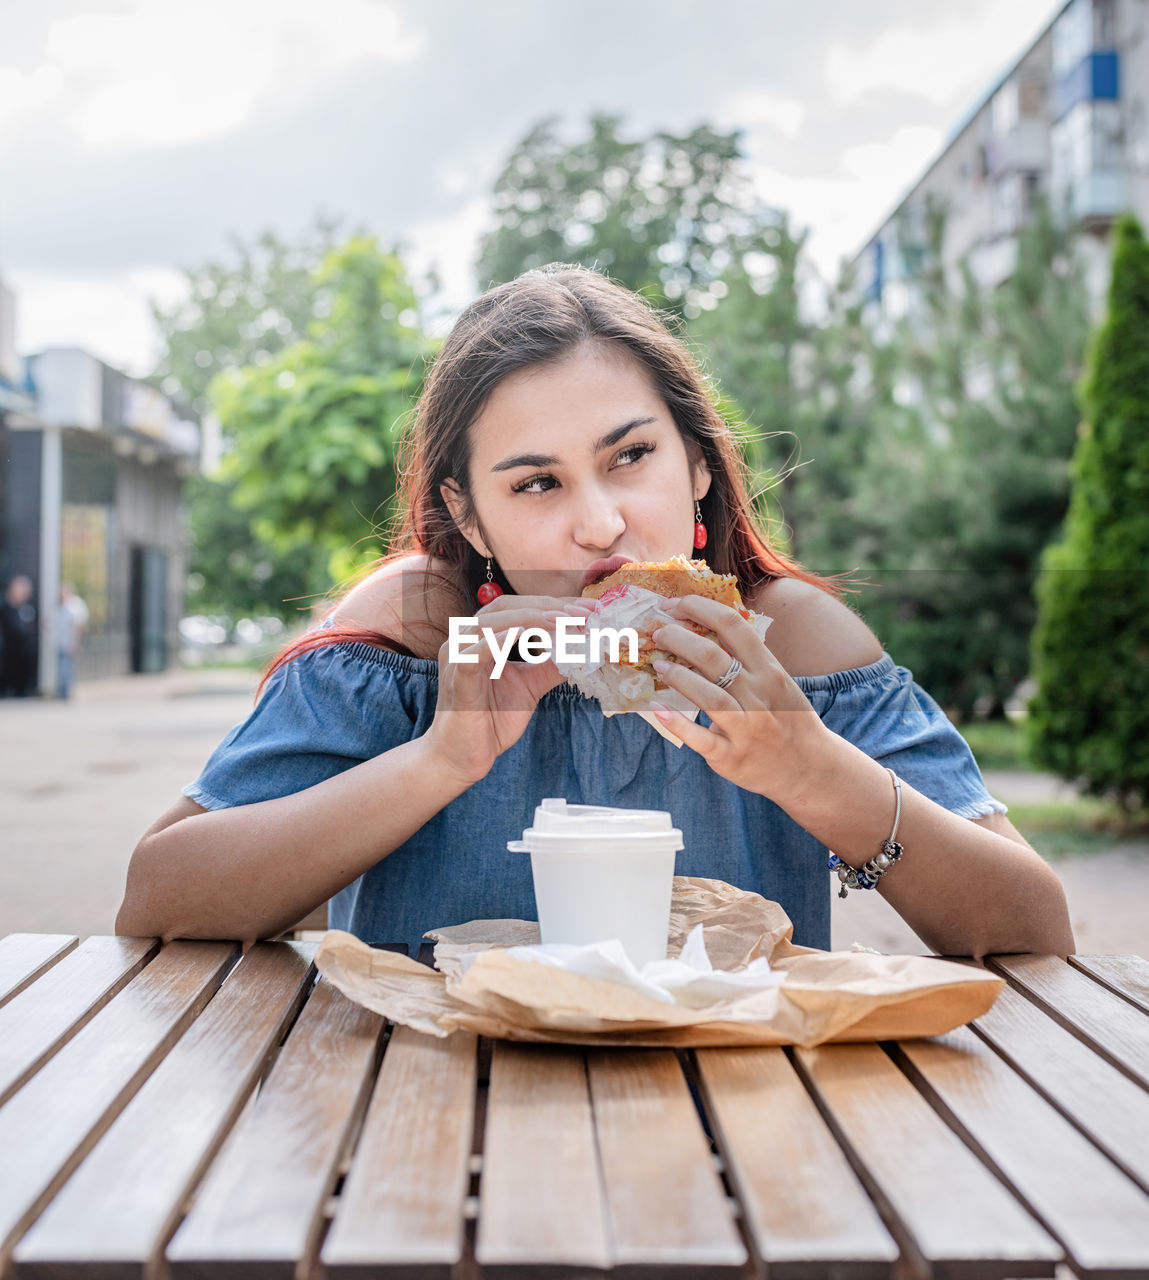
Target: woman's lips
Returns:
[599, 569]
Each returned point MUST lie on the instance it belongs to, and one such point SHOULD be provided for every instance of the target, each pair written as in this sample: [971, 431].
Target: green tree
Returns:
[665, 215]
[242, 311]
[929, 456]
[750, 342]
[239, 311]
[315, 429]
[997, 369]
[1089, 719]
[233, 572]
[969, 481]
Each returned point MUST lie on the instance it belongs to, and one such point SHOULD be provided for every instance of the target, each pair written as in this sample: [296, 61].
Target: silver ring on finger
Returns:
[733, 671]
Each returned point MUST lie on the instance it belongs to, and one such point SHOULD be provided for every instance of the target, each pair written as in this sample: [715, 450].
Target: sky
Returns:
[138, 137]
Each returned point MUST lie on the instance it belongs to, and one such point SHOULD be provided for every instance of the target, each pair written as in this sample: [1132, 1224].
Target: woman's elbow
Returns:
[1045, 928]
[136, 918]
[141, 912]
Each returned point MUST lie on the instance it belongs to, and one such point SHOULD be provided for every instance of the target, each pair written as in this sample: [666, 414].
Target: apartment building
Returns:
[92, 464]
[1068, 122]
[13, 394]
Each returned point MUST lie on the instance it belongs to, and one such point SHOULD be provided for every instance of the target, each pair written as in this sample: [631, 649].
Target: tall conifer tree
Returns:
[1090, 716]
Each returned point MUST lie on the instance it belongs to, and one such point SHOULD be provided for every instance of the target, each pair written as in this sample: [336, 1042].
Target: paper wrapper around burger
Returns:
[824, 996]
[621, 687]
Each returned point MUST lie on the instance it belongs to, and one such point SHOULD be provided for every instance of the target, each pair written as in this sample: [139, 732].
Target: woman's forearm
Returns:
[254, 870]
[962, 889]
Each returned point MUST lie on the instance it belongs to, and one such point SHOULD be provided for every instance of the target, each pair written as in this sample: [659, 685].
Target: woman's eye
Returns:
[534, 484]
[544, 482]
[633, 452]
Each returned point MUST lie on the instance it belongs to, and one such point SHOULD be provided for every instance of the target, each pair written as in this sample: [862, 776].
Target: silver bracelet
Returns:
[868, 875]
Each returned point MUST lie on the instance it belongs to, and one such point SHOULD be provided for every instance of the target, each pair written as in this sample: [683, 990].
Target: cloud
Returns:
[145, 133]
[758, 108]
[23, 93]
[166, 74]
[940, 63]
[892, 165]
[846, 206]
[106, 313]
[449, 245]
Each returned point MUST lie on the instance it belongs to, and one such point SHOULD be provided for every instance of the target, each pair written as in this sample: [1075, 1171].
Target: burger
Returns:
[671, 579]
[634, 594]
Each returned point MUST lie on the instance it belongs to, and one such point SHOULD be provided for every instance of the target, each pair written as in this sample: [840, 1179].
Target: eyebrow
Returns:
[544, 460]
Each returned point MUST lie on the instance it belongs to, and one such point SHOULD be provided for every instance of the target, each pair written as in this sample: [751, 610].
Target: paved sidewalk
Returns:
[1106, 892]
[81, 781]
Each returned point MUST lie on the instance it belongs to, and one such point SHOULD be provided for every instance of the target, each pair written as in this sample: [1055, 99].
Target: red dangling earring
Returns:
[699, 529]
[489, 590]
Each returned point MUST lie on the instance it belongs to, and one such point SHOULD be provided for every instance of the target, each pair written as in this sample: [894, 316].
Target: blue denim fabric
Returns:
[334, 708]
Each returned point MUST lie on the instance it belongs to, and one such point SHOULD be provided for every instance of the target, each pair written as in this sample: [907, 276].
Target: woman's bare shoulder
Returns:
[403, 600]
[813, 633]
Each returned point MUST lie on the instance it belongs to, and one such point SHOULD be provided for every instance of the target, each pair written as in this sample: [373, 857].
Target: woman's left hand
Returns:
[764, 735]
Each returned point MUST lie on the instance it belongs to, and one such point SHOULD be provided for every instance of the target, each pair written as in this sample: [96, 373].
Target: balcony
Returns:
[1095, 78]
[1098, 195]
[1024, 147]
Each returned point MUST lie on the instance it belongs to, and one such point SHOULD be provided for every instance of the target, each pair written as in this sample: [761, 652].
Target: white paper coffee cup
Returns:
[603, 873]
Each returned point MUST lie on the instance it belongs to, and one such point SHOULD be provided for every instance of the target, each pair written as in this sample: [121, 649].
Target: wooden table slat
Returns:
[944, 1207]
[124, 1200]
[50, 1125]
[1097, 1213]
[1127, 975]
[1111, 1024]
[260, 1209]
[44, 1016]
[401, 1209]
[25, 956]
[140, 1094]
[541, 1197]
[1112, 1109]
[781, 1158]
[666, 1204]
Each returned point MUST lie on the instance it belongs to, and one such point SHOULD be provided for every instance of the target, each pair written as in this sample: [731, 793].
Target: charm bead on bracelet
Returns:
[868, 875]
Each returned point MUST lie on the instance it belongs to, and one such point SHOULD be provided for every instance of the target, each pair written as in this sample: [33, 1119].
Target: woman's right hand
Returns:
[478, 716]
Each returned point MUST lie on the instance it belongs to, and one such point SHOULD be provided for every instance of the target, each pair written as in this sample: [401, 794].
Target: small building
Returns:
[1067, 123]
[92, 464]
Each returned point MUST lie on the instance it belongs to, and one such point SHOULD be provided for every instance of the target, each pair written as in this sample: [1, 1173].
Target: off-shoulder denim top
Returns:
[335, 707]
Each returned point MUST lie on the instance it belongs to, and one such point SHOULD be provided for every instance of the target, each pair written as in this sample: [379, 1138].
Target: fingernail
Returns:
[661, 711]
[661, 665]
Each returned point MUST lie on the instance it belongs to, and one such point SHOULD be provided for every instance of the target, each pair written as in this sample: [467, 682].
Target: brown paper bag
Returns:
[826, 996]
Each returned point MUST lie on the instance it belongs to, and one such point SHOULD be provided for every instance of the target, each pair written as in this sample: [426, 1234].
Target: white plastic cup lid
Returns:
[621, 842]
[555, 815]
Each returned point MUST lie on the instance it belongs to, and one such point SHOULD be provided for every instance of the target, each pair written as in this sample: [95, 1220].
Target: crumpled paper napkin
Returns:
[689, 980]
[819, 997]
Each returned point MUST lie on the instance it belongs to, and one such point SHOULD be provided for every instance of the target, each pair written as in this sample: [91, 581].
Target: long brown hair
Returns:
[537, 319]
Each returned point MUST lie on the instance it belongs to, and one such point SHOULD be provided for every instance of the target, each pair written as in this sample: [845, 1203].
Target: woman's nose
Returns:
[599, 522]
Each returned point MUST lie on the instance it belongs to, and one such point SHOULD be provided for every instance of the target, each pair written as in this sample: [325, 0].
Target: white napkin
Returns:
[690, 980]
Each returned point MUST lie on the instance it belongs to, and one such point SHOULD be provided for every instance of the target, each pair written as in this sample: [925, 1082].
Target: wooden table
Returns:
[182, 1111]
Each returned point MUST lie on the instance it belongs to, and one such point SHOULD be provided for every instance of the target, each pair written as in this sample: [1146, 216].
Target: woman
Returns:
[563, 429]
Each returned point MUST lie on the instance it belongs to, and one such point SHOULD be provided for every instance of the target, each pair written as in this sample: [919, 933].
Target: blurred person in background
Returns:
[19, 640]
[71, 623]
